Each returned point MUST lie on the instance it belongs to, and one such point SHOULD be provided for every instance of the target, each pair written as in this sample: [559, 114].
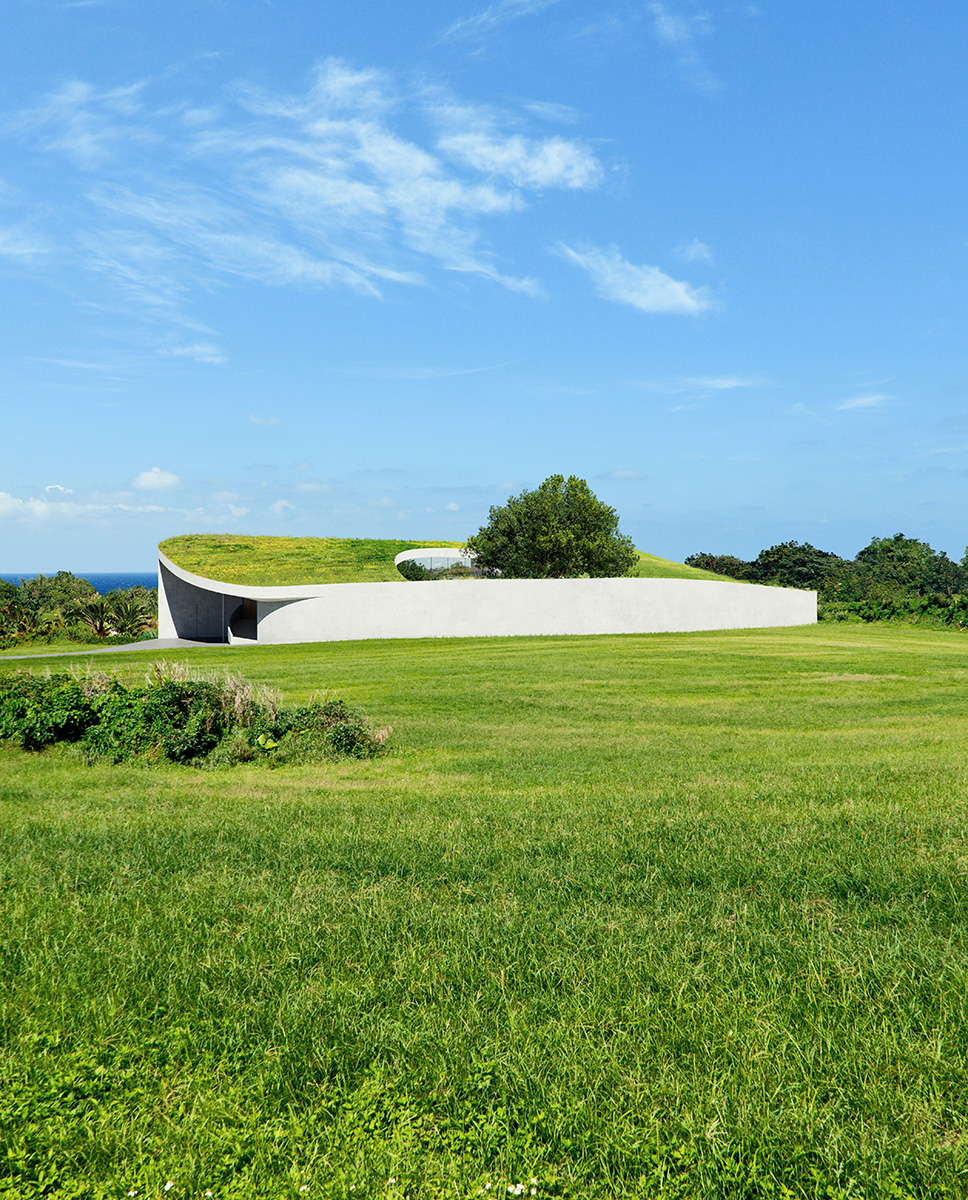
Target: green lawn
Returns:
[57, 646]
[275, 561]
[645, 916]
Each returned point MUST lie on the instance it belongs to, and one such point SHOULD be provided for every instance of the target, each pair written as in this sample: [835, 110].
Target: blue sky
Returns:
[367, 269]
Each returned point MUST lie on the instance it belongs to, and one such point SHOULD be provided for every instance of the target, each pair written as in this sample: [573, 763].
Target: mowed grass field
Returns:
[644, 916]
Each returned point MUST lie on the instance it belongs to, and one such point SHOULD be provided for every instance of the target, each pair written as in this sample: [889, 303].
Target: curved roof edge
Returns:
[246, 591]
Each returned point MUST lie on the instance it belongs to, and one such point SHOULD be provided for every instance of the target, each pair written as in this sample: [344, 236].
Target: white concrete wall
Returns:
[190, 606]
[518, 607]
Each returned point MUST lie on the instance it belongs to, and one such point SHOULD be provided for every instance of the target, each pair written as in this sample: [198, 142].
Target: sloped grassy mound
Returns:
[179, 716]
[650, 566]
[281, 561]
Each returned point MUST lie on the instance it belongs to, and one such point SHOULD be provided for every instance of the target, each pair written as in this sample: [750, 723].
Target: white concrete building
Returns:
[190, 606]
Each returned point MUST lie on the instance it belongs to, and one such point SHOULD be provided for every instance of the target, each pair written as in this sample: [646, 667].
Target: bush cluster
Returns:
[179, 716]
[67, 606]
[938, 609]
[895, 578]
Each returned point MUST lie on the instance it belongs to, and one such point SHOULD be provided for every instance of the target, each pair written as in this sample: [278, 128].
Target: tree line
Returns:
[67, 607]
[890, 577]
[561, 530]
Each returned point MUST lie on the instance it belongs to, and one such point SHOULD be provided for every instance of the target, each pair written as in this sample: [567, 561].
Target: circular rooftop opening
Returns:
[437, 562]
[436, 558]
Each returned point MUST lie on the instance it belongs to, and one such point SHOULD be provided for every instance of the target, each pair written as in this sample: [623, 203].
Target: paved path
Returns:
[148, 644]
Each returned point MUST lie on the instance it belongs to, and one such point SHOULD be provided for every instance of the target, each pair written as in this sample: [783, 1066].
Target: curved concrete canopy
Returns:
[248, 591]
[191, 606]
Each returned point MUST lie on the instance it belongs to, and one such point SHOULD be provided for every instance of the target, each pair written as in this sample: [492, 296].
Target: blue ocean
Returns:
[101, 581]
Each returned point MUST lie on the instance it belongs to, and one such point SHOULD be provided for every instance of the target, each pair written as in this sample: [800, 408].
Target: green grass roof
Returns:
[262, 561]
[277, 561]
[652, 567]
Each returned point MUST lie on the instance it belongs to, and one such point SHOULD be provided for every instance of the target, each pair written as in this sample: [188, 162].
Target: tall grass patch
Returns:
[178, 715]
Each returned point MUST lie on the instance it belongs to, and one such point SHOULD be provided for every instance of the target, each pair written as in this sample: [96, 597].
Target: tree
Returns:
[720, 564]
[903, 565]
[560, 530]
[796, 565]
[131, 613]
[54, 591]
[95, 613]
[414, 571]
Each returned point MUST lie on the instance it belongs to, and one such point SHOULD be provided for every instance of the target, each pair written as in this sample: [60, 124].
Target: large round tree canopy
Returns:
[560, 530]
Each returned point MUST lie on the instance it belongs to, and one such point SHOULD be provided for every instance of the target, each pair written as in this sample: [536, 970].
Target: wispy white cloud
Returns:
[492, 17]
[342, 177]
[44, 509]
[87, 125]
[16, 242]
[721, 383]
[60, 504]
[419, 373]
[875, 400]
[74, 364]
[943, 450]
[156, 480]
[486, 141]
[317, 189]
[207, 235]
[643, 287]
[281, 507]
[264, 420]
[680, 34]
[696, 251]
[550, 110]
[701, 383]
[549, 162]
[623, 475]
[202, 352]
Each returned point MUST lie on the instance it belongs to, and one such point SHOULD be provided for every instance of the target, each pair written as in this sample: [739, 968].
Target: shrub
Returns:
[416, 572]
[180, 717]
[934, 610]
[36, 712]
[179, 721]
[410, 569]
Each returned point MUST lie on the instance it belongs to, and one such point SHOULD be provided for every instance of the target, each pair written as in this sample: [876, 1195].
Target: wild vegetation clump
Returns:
[179, 716]
[891, 579]
[67, 607]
